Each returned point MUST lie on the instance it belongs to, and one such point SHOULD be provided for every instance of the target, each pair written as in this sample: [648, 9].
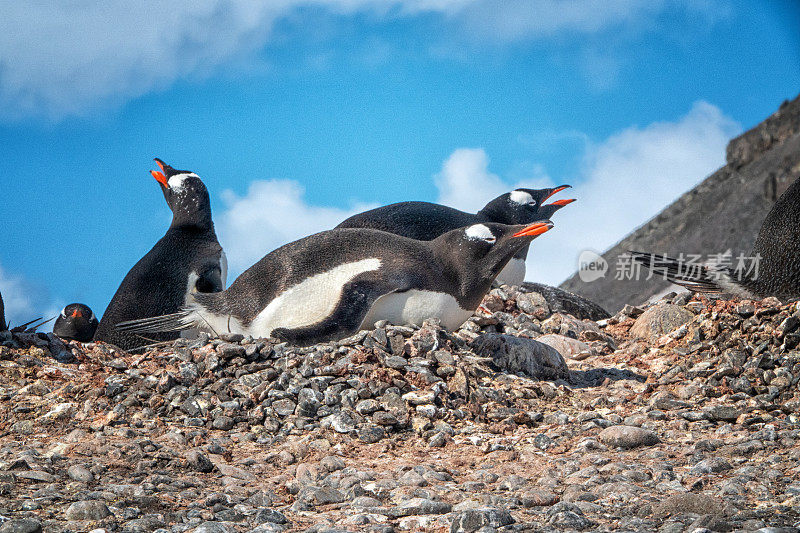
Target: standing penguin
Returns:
[76, 322]
[426, 221]
[187, 260]
[331, 284]
[776, 250]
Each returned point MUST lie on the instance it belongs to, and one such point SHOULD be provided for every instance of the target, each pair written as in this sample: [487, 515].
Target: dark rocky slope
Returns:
[723, 212]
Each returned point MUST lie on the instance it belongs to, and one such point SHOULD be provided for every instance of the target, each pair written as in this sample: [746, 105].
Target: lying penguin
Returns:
[76, 322]
[187, 260]
[777, 248]
[331, 284]
[426, 221]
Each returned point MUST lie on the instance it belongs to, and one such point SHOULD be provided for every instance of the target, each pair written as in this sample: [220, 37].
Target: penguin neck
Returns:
[468, 280]
[199, 220]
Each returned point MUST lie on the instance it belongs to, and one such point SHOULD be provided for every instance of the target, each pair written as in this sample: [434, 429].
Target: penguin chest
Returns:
[513, 273]
[311, 301]
[416, 306]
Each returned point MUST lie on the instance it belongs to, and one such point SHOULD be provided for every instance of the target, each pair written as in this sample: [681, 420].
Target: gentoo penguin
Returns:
[76, 322]
[187, 260]
[331, 284]
[426, 221]
[776, 250]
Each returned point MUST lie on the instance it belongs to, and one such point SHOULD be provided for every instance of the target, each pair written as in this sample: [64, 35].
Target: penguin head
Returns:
[76, 322]
[186, 195]
[522, 206]
[482, 250]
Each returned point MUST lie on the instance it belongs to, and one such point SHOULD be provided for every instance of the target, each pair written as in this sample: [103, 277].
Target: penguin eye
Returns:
[491, 240]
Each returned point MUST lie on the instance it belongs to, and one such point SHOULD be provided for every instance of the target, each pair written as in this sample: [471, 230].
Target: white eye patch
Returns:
[521, 197]
[64, 313]
[480, 232]
[176, 182]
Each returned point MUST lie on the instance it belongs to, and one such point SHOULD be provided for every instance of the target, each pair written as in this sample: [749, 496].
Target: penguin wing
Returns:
[355, 302]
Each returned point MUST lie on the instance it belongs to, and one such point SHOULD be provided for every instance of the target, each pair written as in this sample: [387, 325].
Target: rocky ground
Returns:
[681, 417]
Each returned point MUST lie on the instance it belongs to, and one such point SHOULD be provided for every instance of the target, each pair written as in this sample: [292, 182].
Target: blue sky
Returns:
[300, 112]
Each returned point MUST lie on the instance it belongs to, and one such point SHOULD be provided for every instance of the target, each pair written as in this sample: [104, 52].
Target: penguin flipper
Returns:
[695, 277]
[356, 300]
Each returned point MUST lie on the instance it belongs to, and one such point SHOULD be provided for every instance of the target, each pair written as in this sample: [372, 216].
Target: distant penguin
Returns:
[76, 322]
[331, 284]
[187, 260]
[426, 221]
[776, 253]
[3, 324]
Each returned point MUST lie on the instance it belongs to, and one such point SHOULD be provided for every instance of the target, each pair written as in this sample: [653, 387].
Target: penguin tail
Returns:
[707, 279]
[158, 324]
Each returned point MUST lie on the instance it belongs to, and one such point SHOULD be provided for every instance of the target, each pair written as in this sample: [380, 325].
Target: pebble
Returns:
[628, 437]
[87, 510]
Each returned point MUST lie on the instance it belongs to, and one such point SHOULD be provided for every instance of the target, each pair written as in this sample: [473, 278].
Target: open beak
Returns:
[77, 314]
[555, 190]
[160, 176]
[534, 229]
[562, 203]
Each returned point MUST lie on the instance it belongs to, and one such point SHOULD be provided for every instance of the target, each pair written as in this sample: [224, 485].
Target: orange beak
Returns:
[562, 203]
[557, 189]
[161, 178]
[77, 314]
[534, 229]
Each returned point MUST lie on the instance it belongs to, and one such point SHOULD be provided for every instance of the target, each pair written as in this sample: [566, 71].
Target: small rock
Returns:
[628, 437]
[472, 520]
[80, 473]
[569, 348]
[199, 461]
[87, 510]
[21, 525]
[660, 320]
[521, 355]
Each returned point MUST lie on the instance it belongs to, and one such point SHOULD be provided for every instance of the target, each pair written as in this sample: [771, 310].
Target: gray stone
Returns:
[284, 407]
[419, 506]
[660, 320]
[521, 355]
[213, 527]
[199, 461]
[711, 465]
[222, 422]
[472, 520]
[628, 437]
[21, 525]
[80, 473]
[87, 510]
[725, 413]
[268, 515]
[569, 348]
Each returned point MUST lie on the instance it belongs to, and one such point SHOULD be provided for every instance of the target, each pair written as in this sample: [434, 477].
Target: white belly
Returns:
[414, 307]
[304, 304]
[513, 273]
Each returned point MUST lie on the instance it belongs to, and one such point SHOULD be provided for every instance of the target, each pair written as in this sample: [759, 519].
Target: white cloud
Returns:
[626, 180]
[23, 301]
[466, 183]
[271, 214]
[61, 59]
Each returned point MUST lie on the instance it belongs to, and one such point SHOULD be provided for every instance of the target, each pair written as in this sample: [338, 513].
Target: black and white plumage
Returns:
[187, 260]
[777, 249]
[426, 221]
[76, 322]
[331, 284]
